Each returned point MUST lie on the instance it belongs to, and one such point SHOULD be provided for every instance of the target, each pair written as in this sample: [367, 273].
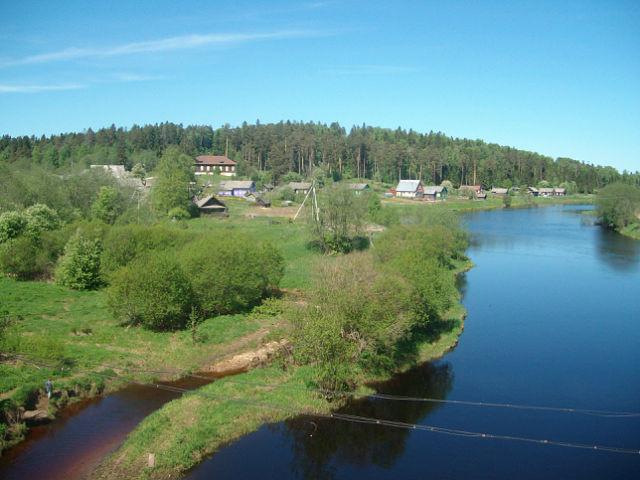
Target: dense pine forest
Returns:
[363, 152]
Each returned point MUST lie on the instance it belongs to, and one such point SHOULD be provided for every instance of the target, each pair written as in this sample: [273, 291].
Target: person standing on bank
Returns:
[48, 387]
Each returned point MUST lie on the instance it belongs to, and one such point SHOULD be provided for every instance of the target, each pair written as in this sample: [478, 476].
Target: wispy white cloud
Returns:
[135, 77]
[34, 88]
[369, 70]
[157, 46]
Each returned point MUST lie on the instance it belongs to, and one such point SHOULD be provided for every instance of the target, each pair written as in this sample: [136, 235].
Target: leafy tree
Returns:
[12, 225]
[107, 206]
[79, 267]
[619, 205]
[28, 257]
[152, 291]
[138, 171]
[41, 218]
[173, 176]
[178, 213]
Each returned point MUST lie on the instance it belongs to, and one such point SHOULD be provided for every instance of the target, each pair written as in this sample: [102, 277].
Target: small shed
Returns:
[500, 191]
[236, 188]
[481, 196]
[358, 188]
[211, 205]
[300, 187]
[409, 189]
[433, 193]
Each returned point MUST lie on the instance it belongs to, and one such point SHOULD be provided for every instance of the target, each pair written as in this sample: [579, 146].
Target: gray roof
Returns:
[358, 186]
[433, 189]
[533, 189]
[408, 186]
[209, 198]
[499, 190]
[299, 185]
[560, 190]
[237, 184]
[546, 190]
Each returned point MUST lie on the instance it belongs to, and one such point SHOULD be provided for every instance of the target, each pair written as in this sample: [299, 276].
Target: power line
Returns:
[379, 396]
[396, 424]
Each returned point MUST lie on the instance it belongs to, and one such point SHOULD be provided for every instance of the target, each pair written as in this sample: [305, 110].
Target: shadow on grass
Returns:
[409, 349]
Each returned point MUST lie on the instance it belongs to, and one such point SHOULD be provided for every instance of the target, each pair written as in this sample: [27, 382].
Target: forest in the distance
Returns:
[362, 152]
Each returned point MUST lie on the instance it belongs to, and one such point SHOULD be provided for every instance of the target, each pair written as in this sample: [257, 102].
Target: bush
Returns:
[178, 213]
[28, 258]
[234, 278]
[12, 225]
[123, 244]
[108, 206]
[40, 218]
[619, 205]
[79, 268]
[287, 194]
[152, 291]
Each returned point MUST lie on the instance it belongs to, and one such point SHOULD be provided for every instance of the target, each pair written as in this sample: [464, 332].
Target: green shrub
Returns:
[40, 218]
[123, 244]
[179, 213]
[79, 268]
[108, 205]
[152, 291]
[619, 205]
[28, 258]
[12, 225]
[231, 273]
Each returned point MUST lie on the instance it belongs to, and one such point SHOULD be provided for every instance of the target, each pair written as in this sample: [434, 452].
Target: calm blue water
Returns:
[554, 319]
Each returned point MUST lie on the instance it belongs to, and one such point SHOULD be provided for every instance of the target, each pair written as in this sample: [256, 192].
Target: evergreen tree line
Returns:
[362, 152]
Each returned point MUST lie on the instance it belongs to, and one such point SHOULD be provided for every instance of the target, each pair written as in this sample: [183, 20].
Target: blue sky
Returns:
[560, 78]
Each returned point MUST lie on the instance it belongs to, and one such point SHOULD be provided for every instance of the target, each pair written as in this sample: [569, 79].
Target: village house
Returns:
[559, 192]
[500, 191]
[433, 193]
[409, 189]
[358, 188]
[236, 188]
[299, 187]
[481, 196]
[476, 189]
[210, 205]
[546, 192]
[533, 191]
[209, 164]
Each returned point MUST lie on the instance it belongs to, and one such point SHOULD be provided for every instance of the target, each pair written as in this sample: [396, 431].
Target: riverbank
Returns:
[631, 231]
[185, 431]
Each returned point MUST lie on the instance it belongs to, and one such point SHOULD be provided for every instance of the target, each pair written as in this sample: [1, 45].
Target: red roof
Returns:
[214, 160]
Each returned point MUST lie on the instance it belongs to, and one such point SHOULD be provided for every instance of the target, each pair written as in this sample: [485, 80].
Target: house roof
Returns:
[408, 185]
[533, 189]
[117, 171]
[560, 190]
[546, 190]
[237, 184]
[209, 201]
[214, 160]
[500, 190]
[433, 189]
[299, 185]
[358, 186]
[471, 187]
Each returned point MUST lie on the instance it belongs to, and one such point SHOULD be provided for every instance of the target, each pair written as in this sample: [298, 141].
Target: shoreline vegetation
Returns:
[86, 352]
[618, 208]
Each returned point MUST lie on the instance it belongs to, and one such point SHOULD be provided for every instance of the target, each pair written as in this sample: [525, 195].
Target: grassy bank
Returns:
[186, 430]
[632, 231]
[76, 332]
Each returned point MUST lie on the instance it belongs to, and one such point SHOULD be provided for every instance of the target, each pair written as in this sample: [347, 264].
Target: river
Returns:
[553, 320]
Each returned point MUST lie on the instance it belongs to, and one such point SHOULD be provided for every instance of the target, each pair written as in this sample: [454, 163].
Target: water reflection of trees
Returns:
[617, 251]
[320, 444]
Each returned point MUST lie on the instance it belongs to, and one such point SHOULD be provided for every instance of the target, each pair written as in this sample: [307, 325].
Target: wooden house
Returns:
[465, 189]
[533, 191]
[299, 187]
[358, 188]
[481, 196]
[546, 192]
[500, 191]
[559, 192]
[409, 189]
[209, 164]
[236, 188]
[210, 205]
[433, 193]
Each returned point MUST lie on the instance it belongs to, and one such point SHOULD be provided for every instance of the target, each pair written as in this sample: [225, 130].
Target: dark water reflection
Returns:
[554, 319]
